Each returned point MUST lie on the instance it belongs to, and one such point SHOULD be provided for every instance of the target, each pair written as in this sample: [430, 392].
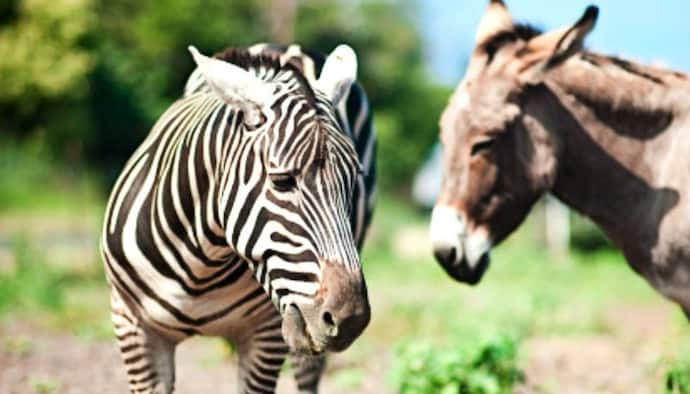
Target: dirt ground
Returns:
[37, 363]
[624, 360]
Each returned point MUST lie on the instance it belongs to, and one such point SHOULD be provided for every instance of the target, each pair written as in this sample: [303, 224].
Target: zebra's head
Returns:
[287, 192]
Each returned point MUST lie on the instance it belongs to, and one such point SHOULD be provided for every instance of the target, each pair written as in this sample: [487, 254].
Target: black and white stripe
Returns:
[214, 223]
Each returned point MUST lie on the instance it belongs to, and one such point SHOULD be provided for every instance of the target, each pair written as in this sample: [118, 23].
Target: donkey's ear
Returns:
[495, 19]
[234, 85]
[338, 73]
[553, 48]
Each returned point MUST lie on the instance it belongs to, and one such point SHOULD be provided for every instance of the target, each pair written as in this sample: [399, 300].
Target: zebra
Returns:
[241, 215]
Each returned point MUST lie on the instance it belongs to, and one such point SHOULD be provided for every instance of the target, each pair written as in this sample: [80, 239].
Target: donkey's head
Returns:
[287, 193]
[498, 152]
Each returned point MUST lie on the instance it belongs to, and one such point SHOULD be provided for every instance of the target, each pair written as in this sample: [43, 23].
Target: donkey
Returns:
[535, 114]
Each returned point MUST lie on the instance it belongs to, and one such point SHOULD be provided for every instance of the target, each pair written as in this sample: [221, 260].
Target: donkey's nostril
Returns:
[328, 319]
[445, 255]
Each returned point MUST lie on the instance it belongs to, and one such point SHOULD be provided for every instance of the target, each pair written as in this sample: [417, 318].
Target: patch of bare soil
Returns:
[626, 360]
[33, 362]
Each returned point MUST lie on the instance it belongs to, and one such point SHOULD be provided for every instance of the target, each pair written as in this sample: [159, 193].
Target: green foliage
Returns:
[406, 104]
[472, 366]
[142, 45]
[677, 376]
[41, 53]
[92, 76]
[44, 71]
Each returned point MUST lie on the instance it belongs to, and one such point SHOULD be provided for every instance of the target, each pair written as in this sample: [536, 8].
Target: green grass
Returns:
[53, 297]
[525, 289]
[30, 285]
[31, 181]
[524, 294]
[41, 198]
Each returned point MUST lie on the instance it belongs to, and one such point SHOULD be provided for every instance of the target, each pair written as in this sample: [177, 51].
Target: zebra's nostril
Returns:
[331, 326]
[328, 319]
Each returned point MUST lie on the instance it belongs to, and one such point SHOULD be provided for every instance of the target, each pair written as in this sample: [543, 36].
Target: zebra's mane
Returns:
[241, 57]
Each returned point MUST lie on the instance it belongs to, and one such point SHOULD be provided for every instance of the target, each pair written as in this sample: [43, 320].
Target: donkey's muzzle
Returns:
[462, 252]
[458, 267]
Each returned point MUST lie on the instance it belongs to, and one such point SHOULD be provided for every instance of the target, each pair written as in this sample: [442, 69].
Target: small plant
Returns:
[677, 377]
[482, 366]
[17, 345]
[44, 385]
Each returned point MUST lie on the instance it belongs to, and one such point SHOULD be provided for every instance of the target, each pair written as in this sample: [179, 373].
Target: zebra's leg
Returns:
[149, 357]
[308, 372]
[262, 354]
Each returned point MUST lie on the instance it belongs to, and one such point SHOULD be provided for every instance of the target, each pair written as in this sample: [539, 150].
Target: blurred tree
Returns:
[95, 85]
[143, 63]
[406, 104]
[43, 70]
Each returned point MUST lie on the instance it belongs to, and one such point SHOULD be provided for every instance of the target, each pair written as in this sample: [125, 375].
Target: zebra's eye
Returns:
[283, 182]
[254, 122]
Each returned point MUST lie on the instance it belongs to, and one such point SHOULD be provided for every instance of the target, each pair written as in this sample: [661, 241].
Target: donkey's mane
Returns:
[629, 84]
[527, 31]
[616, 83]
[241, 57]
[519, 32]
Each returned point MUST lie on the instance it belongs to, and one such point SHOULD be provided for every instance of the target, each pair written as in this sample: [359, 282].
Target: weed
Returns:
[17, 345]
[677, 376]
[479, 366]
[44, 385]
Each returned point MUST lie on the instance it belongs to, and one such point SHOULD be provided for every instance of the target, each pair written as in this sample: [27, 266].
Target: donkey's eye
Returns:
[283, 182]
[482, 146]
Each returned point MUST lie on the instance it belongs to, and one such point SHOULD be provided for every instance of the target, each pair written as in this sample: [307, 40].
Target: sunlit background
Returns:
[81, 83]
[649, 31]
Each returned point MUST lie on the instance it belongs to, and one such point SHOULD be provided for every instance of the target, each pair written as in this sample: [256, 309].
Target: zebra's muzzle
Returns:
[296, 333]
[336, 316]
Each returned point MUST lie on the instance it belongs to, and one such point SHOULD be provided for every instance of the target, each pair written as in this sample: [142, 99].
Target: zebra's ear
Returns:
[234, 85]
[338, 73]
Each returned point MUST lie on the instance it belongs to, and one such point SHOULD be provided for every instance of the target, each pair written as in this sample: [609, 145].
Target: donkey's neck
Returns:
[617, 88]
[615, 121]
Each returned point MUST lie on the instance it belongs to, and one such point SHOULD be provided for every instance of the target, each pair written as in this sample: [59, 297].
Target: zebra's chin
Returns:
[297, 335]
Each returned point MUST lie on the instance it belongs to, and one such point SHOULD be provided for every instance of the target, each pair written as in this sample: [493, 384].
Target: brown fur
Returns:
[609, 137]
